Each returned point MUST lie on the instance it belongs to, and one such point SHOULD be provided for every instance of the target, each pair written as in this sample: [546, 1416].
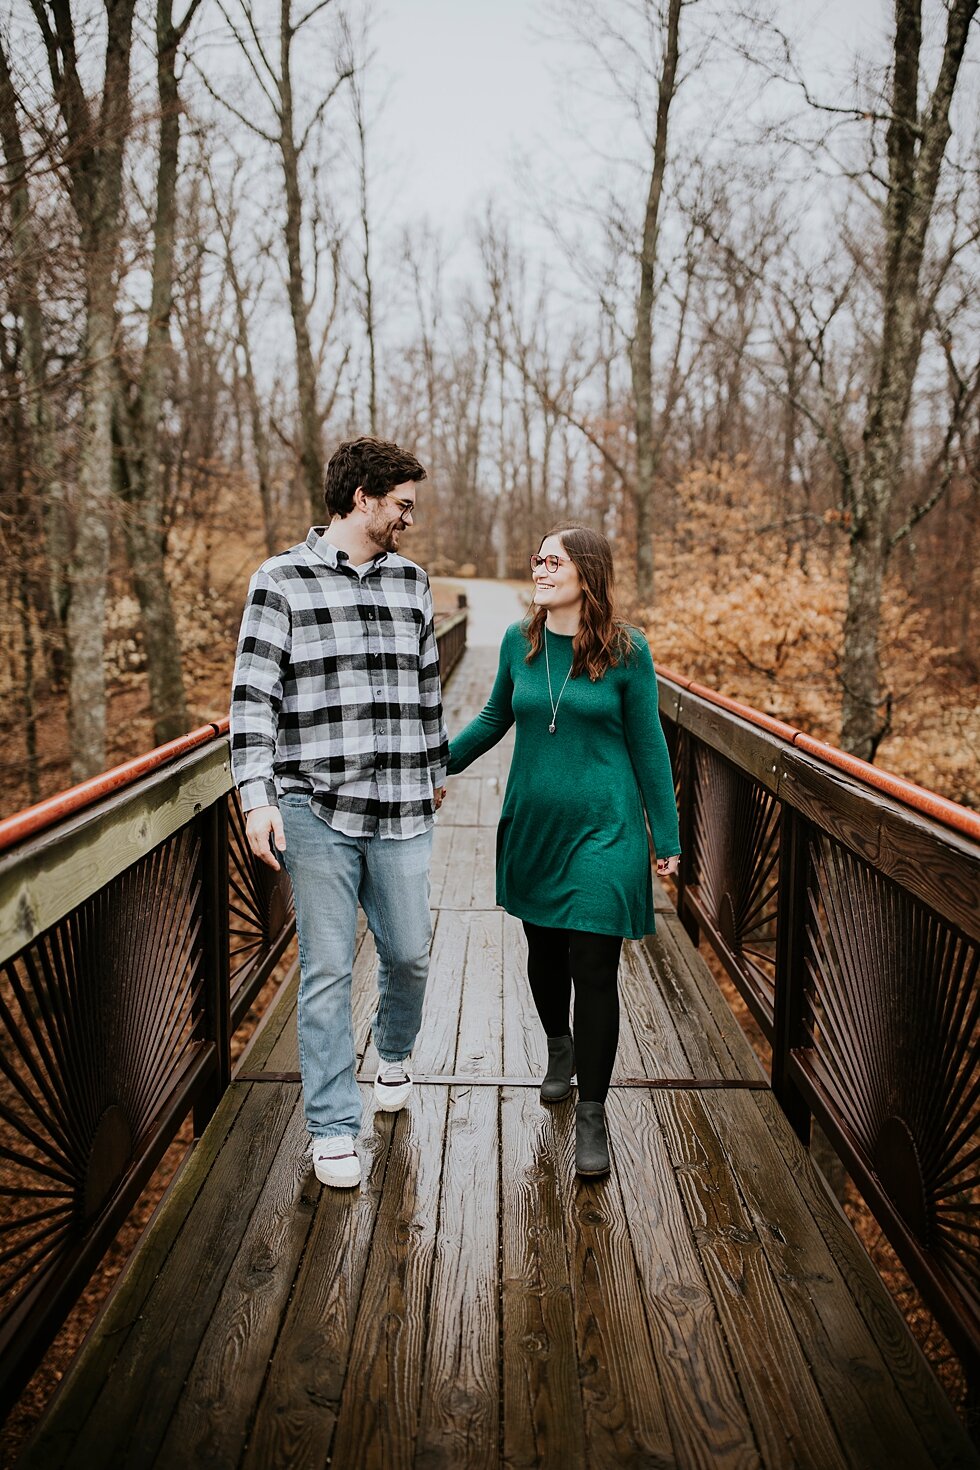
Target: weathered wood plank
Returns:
[128, 1423]
[278, 1017]
[788, 1417]
[442, 844]
[455, 875]
[462, 805]
[92, 1366]
[752, 749]
[491, 799]
[435, 1047]
[701, 1011]
[297, 1411]
[622, 1398]
[219, 1396]
[525, 1044]
[935, 864]
[379, 1408]
[460, 1408]
[659, 1050]
[663, 903]
[46, 877]
[709, 1423]
[543, 1422]
[471, 881]
[479, 1043]
[859, 1346]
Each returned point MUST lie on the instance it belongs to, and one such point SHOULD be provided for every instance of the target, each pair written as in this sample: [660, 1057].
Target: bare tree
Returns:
[641, 350]
[365, 287]
[916, 139]
[43, 483]
[276, 83]
[94, 144]
[242, 297]
[139, 416]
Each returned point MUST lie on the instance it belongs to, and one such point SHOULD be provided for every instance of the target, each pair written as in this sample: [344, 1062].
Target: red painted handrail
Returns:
[36, 819]
[45, 814]
[950, 813]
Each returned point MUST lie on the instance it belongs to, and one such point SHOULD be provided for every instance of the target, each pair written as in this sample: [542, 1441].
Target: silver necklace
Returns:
[554, 702]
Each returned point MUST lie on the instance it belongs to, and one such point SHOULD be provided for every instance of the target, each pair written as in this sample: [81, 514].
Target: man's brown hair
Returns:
[373, 465]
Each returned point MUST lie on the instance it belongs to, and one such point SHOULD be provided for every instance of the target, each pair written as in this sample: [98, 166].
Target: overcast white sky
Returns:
[471, 85]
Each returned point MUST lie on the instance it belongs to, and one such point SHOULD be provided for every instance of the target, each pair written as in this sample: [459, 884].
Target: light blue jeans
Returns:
[331, 873]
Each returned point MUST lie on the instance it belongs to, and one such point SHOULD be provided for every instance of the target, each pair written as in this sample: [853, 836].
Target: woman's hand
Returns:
[666, 866]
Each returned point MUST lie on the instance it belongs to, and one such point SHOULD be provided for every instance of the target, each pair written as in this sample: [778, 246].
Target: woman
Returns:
[573, 861]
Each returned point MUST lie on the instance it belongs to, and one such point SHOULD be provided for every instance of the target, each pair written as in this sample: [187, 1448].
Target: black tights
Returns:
[557, 958]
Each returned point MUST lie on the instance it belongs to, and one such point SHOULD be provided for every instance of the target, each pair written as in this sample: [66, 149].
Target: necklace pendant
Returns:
[551, 729]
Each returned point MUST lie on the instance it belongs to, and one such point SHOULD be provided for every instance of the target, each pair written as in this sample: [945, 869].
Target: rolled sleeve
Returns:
[263, 653]
[430, 696]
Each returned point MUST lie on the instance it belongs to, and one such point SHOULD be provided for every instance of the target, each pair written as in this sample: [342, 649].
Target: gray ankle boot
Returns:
[561, 1064]
[591, 1147]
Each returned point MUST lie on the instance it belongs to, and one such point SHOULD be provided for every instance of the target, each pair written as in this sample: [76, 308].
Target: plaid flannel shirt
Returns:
[336, 691]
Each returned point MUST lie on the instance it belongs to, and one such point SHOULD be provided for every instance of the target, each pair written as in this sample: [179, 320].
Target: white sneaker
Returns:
[392, 1086]
[335, 1161]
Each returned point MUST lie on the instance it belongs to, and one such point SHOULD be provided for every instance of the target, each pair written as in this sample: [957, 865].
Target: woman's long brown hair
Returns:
[603, 639]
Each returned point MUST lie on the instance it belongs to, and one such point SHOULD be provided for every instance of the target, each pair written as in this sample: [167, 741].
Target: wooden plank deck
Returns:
[474, 1304]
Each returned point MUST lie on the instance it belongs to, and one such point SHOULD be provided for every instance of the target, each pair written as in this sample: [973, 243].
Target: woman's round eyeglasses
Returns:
[551, 563]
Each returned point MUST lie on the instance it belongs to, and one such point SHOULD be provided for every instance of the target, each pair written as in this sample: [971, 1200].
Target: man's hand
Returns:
[439, 796]
[263, 826]
[667, 865]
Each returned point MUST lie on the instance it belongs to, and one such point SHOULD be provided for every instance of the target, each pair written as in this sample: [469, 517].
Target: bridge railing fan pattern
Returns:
[849, 922]
[135, 935]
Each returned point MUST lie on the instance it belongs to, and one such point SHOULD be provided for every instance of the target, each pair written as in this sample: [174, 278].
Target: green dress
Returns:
[572, 848]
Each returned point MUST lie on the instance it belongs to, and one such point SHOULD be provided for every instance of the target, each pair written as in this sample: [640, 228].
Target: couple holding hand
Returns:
[340, 753]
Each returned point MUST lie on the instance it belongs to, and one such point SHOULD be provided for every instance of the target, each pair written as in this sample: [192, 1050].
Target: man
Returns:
[339, 752]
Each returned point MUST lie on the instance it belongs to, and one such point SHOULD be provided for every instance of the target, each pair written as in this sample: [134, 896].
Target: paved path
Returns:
[493, 606]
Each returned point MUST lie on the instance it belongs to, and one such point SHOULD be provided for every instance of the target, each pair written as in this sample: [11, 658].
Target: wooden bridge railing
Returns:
[845, 905]
[136, 931]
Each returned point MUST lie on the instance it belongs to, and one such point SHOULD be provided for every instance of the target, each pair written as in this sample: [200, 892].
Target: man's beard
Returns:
[384, 533]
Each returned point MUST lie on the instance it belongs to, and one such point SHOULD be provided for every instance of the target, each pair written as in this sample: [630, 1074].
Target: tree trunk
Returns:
[25, 299]
[916, 148]
[28, 687]
[311, 448]
[641, 354]
[94, 160]
[861, 723]
[89, 564]
[143, 484]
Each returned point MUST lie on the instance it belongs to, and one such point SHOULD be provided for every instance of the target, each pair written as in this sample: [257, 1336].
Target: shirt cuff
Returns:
[258, 791]
[438, 774]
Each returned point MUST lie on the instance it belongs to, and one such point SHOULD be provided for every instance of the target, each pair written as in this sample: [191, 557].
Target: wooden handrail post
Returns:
[790, 987]
[215, 978]
[685, 868]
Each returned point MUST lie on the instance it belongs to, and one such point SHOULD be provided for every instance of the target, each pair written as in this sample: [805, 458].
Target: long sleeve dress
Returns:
[572, 849]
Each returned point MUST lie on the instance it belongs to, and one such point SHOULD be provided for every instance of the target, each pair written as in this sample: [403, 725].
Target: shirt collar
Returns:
[332, 555]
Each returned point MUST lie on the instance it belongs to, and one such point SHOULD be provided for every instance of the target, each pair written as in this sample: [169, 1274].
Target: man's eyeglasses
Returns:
[552, 563]
[406, 507]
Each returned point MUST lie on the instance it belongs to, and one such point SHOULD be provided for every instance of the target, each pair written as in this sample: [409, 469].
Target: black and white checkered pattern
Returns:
[336, 691]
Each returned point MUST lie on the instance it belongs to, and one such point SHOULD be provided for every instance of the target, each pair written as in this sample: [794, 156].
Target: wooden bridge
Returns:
[475, 1303]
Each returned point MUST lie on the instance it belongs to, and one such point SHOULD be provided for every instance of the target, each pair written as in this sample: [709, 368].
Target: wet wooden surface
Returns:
[474, 1303]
